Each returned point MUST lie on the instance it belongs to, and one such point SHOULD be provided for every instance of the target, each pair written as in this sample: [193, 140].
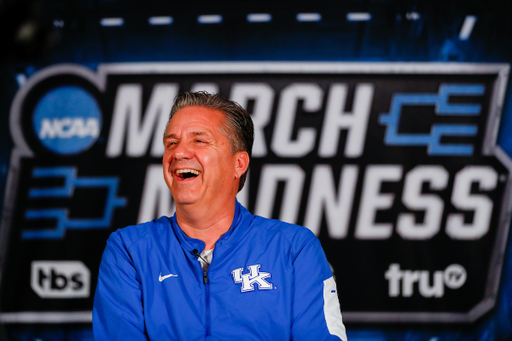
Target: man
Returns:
[213, 271]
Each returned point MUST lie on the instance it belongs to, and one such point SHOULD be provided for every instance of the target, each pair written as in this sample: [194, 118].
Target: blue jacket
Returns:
[268, 280]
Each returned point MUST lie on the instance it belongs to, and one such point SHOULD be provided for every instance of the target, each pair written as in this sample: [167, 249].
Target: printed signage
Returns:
[60, 279]
[394, 166]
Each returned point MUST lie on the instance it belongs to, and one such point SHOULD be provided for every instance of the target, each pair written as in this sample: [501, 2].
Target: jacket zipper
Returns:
[205, 277]
[196, 253]
[208, 317]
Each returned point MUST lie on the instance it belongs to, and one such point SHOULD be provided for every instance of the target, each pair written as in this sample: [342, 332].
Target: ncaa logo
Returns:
[67, 120]
[60, 279]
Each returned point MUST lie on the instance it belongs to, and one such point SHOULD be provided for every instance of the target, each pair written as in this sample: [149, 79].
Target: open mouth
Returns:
[187, 173]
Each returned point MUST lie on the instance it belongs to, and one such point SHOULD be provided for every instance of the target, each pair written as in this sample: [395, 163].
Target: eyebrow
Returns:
[199, 133]
[169, 136]
[193, 133]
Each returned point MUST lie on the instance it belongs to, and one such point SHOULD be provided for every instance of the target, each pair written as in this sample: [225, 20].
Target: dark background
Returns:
[36, 34]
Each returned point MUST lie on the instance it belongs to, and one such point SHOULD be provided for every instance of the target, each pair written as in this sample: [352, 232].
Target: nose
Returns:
[182, 151]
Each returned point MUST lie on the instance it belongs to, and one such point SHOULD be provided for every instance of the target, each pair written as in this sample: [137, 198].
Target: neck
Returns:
[205, 224]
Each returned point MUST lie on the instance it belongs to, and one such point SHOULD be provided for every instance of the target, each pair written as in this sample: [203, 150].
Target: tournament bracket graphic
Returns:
[394, 166]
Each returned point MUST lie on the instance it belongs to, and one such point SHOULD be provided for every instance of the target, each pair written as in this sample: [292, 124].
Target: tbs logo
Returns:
[60, 279]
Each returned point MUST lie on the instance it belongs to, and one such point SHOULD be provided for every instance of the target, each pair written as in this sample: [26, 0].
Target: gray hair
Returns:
[238, 128]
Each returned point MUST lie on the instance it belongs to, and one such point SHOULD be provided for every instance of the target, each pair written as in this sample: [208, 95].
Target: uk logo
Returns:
[255, 276]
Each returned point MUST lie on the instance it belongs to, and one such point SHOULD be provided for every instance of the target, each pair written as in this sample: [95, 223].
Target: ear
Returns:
[242, 163]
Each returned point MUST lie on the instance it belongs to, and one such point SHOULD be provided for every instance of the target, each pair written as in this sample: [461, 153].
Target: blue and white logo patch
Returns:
[67, 120]
[255, 276]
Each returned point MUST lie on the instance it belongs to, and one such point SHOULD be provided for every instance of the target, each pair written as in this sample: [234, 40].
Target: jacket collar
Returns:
[239, 227]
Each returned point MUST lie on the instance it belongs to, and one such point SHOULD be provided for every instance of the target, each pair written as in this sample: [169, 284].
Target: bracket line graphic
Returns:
[442, 108]
[61, 215]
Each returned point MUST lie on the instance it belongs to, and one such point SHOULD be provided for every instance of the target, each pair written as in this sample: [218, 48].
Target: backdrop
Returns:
[385, 128]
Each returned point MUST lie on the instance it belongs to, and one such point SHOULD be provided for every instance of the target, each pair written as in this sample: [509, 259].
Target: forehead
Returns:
[197, 117]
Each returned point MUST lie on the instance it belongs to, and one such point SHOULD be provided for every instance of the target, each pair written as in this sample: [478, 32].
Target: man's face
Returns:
[198, 165]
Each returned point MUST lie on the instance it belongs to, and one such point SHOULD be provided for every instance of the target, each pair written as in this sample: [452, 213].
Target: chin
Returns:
[184, 200]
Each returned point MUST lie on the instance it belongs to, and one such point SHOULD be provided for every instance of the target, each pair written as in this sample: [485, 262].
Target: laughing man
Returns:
[213, 271]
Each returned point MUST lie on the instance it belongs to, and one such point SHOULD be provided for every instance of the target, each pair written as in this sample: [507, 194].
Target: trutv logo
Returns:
[402, 282]
[60, 279]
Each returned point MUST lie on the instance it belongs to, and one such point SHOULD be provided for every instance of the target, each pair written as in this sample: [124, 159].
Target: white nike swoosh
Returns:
[161, 278]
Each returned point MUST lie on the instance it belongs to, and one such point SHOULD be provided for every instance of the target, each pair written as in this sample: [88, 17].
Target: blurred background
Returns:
[383, 126]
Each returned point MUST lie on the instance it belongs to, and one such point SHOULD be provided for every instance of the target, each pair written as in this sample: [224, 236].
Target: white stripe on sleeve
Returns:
[332, 310]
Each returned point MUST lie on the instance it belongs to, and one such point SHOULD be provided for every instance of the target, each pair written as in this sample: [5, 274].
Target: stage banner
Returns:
[394, 166]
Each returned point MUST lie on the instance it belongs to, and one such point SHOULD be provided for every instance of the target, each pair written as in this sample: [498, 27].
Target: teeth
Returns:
[181, 171]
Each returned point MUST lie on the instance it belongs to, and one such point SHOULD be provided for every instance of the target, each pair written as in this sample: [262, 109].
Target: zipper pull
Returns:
[205, 277]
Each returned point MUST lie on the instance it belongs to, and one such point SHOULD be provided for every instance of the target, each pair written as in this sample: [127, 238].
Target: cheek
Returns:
[207, 159]
[166, 160]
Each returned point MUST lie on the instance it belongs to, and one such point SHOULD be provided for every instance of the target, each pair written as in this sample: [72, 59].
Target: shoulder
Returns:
[298, 236]
[134, 234]
[298, 242]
